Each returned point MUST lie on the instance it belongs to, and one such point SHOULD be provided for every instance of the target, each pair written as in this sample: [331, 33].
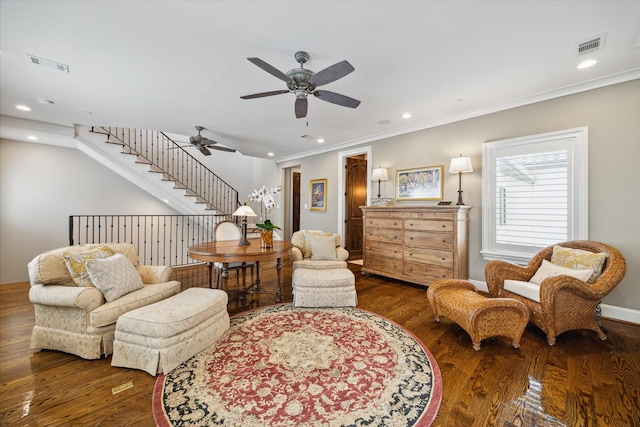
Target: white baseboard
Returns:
[608, 311]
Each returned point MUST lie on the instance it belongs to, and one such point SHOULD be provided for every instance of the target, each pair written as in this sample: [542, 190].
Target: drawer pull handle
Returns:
[443, 226]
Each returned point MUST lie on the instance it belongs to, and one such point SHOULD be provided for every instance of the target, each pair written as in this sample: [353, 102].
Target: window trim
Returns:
[578, 188]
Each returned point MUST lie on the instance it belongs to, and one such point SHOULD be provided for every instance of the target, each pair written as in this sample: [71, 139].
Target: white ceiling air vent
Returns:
[48, 63]
[591, 45]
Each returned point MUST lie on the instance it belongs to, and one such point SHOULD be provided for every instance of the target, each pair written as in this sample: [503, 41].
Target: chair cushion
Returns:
[548, 269]
[114, 276]
[526, 289]
[301, 239]
[76, 262]
[323, 247]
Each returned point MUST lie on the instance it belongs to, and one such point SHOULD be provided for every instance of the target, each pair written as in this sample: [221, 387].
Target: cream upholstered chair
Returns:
[227, 230]
[76, 315]
[328, 253]
[560, 302]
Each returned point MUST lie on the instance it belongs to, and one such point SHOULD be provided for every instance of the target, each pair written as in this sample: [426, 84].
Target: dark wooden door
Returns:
[356, 196]
[295, 202]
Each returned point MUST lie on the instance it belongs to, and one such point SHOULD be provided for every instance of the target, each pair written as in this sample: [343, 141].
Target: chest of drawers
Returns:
[418, 244]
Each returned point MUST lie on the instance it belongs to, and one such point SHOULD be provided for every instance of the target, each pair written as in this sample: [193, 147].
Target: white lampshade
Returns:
[244, 210]
[460, 164]
[379, 174]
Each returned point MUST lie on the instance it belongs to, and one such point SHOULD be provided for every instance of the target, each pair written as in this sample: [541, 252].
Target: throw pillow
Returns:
[323, 247]
[306, 249]
[77, 263]
[579, 259]
[114, 276]
[548, 269]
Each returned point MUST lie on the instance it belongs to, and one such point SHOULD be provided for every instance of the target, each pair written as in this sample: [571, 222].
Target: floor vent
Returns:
[48, 63]
[591, 45]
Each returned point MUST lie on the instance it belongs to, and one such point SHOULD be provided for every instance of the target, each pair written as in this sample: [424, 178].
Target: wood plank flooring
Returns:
[581, 381]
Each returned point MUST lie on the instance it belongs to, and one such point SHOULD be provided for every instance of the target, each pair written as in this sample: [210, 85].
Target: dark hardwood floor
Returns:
[581, 381]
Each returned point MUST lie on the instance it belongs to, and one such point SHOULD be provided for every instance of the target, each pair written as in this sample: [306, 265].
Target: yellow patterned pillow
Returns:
[579, 260]
[77, 263]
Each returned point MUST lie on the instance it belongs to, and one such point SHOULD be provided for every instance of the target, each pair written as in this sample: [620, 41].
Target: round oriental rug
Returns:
[287, 366]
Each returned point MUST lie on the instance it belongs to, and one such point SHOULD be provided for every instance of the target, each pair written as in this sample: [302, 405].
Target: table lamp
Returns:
[379, 174]
[460, 165]
[244, 211]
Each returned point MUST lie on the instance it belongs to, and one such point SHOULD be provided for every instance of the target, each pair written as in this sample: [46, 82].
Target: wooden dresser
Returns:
[418, 244]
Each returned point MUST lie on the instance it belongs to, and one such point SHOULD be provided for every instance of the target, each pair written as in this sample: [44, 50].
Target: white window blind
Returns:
[534, 193]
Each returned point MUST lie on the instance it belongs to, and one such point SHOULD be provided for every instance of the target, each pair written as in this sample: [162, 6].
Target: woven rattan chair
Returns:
[566, 303]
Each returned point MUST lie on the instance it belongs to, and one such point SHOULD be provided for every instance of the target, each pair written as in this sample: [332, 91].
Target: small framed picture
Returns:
[381, 201]
[318, 195]
[424, 183]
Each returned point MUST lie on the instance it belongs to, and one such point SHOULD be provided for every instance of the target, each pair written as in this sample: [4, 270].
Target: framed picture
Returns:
[318, 195]
[424, 183]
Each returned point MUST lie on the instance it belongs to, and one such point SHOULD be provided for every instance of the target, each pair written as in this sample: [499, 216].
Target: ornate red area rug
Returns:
[287, 366]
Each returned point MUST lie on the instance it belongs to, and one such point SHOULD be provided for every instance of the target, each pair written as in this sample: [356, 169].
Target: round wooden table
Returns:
[228, 251]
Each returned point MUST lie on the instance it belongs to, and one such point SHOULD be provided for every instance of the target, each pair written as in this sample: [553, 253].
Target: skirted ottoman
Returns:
[324, 288]
[480, 317]
[158, 337]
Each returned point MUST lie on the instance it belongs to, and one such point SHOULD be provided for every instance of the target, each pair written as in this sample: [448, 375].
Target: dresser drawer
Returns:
[427, 274]
[428, 225]
[383, 222]
[436, 215]
[382, 250]
[429, 256]
[384, 265]
[429, 240]
[388, 235]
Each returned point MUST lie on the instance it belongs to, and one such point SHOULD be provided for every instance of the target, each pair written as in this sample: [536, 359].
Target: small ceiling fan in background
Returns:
[303, 82]
[204, 144]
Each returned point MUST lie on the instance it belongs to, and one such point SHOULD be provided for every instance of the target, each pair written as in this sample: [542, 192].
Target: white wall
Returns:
[613, 117]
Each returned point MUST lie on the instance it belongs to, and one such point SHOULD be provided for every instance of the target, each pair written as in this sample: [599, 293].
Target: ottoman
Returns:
[160, 336]
[480, 317]
[324, 288]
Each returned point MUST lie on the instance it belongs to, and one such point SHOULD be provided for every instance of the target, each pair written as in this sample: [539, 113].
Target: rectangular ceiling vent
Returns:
[48, 63]
[591, 45]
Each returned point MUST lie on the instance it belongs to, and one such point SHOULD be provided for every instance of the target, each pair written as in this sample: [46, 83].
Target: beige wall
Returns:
[612, 115]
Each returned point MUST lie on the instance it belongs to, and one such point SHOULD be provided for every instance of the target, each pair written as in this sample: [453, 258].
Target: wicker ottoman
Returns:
[481, 317]
[324, 288]
[158, 337]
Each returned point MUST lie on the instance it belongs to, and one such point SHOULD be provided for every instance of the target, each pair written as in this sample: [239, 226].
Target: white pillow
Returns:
[548, 269]
[323, 247]
[114, 276]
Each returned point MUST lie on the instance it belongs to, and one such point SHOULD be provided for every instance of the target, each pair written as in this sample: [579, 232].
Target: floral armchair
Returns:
[80, 291]
[557, 298]
[317, 250]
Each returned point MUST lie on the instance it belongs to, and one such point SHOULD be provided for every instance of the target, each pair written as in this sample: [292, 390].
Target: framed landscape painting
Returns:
[424, 183]
[318, 195]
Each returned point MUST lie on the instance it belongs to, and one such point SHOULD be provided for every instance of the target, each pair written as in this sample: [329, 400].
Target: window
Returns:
[534, 192]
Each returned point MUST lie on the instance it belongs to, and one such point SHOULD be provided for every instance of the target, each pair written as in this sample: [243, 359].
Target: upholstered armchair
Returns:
[80, 291]
[557, 298]
[317, 250]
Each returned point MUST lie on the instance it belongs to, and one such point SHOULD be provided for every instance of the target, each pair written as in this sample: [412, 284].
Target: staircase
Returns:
[155, 152]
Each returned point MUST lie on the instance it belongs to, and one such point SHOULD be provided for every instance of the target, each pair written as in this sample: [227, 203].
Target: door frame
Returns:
[342, 161]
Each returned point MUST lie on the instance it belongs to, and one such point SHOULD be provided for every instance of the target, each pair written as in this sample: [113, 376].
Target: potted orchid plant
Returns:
[265, 196]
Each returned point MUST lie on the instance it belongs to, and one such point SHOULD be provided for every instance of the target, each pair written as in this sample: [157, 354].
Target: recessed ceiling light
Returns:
[406, 116]
[32, 138]
[320, 140]
[166, 201]
[384, 122]
[270, 154]
[23, 108]
[586, 64]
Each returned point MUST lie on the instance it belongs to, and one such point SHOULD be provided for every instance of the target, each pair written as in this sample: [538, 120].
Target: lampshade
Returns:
[244, 210]
[460, 165]
[379, 174]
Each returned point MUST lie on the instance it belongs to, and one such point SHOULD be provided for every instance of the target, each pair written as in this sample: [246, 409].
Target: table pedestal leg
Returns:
[278, 288]
[257, 275]
[243, 297]
[225, 275]
[210, 267]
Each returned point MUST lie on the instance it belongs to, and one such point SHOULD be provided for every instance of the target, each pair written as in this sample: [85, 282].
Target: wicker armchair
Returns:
[566, 303]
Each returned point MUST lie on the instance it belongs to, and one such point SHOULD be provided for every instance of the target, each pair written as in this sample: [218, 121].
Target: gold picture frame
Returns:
[318, 195]
[425, 183]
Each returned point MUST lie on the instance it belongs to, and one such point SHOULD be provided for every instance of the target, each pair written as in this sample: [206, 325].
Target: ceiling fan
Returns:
[303, 82]
[203, 144]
